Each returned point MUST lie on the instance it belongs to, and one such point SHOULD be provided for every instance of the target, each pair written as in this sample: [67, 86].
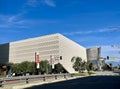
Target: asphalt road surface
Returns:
[92, 82]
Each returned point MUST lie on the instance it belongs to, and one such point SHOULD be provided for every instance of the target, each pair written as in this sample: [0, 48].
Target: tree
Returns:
[59, 68]
[45, 67]
[106, 67]
[16, 68]
[3, 69]
[78, 64]
[83, 66]
[24, 67]
[111, 67]
[89, 66]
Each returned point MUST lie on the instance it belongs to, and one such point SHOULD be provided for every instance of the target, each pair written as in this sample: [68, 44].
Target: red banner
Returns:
[52, 61]
[37, 59]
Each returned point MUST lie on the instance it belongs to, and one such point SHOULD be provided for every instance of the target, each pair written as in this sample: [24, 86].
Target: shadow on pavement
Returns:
[92, 82]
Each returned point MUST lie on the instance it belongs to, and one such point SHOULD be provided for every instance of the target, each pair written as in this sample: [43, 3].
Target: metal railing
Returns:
[32, 78]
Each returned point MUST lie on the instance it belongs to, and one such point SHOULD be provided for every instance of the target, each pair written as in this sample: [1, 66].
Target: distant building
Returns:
[57, 45]
[93, 55]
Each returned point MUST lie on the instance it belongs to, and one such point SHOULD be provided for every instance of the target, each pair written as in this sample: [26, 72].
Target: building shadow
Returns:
[92, 82]
[4, 53]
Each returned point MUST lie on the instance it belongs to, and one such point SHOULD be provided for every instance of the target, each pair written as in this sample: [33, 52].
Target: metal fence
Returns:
[32, 78]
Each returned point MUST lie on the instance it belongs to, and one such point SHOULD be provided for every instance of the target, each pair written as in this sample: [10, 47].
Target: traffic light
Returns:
[108, 57]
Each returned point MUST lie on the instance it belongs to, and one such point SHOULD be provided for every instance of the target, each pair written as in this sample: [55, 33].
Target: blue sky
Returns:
[87, 22]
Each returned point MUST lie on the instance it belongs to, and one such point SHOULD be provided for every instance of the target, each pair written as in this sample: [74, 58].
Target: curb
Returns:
[40, 83]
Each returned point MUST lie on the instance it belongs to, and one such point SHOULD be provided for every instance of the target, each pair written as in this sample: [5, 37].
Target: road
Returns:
[91, 82]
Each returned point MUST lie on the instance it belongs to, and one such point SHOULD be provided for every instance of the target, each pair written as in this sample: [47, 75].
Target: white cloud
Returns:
[50, 3]
[35, 3]
[93, 31]
[80, 32]
[7, 21]
[32, 3]
[16, 21]
[110, 51]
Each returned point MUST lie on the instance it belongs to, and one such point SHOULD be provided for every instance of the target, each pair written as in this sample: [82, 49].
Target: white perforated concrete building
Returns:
[56, 45]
